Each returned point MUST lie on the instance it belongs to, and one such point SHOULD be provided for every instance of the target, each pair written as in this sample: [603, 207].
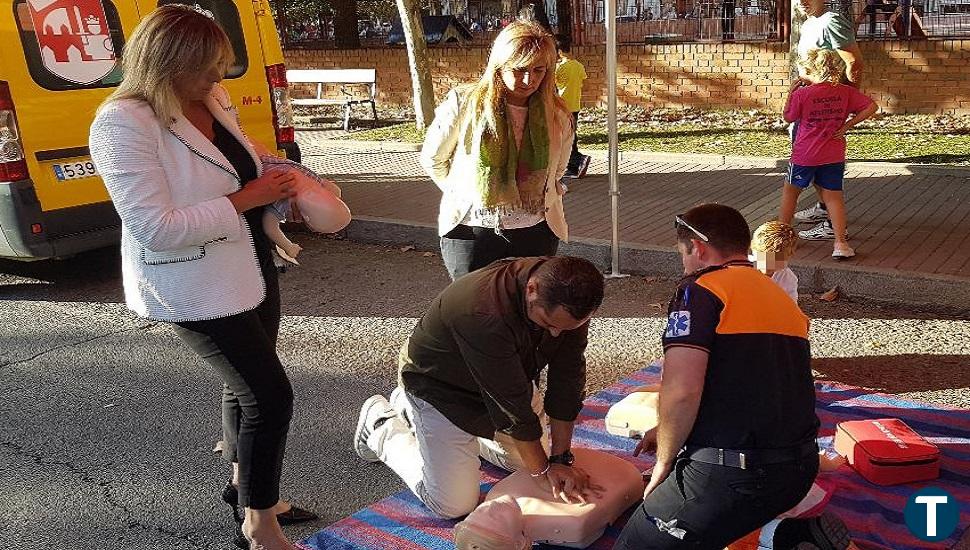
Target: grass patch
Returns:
[885, 142]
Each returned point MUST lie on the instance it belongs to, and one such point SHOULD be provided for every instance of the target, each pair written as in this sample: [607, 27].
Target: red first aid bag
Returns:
[887, 451]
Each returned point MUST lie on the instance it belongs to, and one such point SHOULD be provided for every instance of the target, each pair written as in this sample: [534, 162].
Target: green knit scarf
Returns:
[509, 178]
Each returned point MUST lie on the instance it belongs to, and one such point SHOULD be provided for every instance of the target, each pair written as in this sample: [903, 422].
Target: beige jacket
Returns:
[453, 169]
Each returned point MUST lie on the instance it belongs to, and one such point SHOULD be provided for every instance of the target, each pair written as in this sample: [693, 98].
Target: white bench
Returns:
[342, 77]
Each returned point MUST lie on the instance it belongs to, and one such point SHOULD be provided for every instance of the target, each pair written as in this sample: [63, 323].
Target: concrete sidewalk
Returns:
[909, 225]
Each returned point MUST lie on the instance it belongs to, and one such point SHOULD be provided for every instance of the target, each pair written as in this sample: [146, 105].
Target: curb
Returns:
[887, 168]
[380, 146]
[930, 293]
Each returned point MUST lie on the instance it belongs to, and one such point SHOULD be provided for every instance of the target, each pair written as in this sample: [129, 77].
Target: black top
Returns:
[240, 159]
[758, 391]
[475, 355]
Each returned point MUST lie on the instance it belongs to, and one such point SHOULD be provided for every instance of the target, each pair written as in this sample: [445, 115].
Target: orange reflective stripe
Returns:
[753, 303]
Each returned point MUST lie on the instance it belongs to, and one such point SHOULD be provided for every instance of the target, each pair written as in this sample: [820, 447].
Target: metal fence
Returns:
[652, 21]
[887, 19]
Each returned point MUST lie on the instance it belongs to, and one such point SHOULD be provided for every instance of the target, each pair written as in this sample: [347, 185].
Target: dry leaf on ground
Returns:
[830, 296]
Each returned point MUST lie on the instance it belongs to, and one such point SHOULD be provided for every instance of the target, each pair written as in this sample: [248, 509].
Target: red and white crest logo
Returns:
[73, 38]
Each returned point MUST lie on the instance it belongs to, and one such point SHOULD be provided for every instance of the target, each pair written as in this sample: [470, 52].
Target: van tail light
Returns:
[282, 110]
[13, 166]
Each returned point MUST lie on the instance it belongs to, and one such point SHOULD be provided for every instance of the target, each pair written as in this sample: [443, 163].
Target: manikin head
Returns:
[711, 234]
[495, 525]
[772, 245]
[563, 293]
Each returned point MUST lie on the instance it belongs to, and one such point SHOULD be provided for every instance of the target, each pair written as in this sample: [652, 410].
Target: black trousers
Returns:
[465, 248]
[706, 506]
[257, 399]
[575, 157]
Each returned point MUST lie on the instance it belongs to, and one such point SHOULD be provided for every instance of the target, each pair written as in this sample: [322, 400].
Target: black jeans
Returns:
[707, 506]
[575, 157]
[465, 248]
[257, 399]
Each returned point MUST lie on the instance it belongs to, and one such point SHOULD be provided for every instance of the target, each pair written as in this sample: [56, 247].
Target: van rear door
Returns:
[60, 65]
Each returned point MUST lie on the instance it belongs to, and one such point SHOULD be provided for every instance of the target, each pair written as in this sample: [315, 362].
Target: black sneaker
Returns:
[824, 532]
[583, 166]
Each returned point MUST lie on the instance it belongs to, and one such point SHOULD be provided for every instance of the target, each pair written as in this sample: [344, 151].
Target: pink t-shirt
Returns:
[819, 111]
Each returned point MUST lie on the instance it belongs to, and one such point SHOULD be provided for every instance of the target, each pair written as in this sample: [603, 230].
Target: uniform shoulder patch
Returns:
[678, 324]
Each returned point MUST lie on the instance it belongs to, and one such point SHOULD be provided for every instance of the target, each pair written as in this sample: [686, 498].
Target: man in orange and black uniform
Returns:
[736, 437]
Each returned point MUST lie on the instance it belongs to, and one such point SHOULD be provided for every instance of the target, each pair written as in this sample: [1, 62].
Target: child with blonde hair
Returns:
[824, 110]
[772, 245]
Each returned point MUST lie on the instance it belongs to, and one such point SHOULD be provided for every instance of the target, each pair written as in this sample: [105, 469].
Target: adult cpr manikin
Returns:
[495, 525]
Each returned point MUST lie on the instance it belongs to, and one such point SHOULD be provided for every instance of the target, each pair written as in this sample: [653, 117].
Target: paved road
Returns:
[107, 422]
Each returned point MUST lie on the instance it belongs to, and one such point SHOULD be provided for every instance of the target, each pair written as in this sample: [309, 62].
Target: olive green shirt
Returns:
[475, 355]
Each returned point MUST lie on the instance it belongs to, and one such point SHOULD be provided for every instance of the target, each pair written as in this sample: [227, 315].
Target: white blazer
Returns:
[453, 169]
[186, 254]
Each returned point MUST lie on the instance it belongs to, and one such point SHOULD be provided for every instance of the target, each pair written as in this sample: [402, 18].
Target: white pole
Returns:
[614, 151]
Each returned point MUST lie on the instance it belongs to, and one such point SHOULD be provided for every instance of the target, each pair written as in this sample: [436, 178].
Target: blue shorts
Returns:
[826, 176]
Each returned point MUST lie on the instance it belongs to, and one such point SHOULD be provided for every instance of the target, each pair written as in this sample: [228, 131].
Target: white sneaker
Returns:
[814, 213]
[376, 410]
[843, 252]
[397, 402]
[821, 232]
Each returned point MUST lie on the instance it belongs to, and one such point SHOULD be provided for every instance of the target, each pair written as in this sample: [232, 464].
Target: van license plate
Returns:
[74, 170]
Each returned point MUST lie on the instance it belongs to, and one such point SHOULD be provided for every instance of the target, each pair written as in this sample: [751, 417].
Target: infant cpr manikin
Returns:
[545, 520]
[318, 200]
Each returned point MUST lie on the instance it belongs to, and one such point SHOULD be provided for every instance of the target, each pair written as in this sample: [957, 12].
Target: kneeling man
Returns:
[736, 435]
[468, 373]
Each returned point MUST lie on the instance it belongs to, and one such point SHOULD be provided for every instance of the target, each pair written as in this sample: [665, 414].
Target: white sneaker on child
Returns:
[814, 213]
[821, 232]
[843, 252]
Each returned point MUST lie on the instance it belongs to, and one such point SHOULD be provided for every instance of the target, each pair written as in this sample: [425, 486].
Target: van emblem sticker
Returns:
[73, 38]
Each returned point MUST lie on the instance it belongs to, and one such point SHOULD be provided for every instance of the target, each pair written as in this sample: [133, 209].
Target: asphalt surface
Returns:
[108, 422]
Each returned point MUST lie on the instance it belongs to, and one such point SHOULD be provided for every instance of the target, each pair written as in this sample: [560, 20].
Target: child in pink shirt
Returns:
[819, 106]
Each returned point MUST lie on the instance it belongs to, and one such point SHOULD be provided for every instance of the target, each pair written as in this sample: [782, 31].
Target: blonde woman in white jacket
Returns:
[497, 150]
[190, 192]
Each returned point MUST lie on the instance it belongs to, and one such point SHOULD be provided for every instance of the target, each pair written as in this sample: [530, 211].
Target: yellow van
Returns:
[59, 59]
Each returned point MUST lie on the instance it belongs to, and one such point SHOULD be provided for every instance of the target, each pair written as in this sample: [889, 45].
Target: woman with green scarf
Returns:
[497, 150]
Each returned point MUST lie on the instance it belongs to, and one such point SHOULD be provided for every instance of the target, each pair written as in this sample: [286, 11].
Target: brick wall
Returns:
[903, 76]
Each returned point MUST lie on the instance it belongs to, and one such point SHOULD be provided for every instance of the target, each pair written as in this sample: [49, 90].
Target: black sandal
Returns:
[230, 495]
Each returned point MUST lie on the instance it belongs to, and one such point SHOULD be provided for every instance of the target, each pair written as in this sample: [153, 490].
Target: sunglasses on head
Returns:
[679, 221]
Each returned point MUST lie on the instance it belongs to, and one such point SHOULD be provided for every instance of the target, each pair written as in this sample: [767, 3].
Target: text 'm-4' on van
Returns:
[58, 61]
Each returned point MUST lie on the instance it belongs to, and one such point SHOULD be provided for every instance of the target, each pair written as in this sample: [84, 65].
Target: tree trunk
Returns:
[417, 47]
[508, 8]
[537, 12]
[345, 33]
[795, 33]
[564, 22]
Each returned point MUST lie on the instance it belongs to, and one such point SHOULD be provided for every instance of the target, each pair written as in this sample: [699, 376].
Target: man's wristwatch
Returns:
[566, 458]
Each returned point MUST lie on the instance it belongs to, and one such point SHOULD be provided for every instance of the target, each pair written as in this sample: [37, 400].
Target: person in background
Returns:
[570, 75]
[497, 150]
[823, 110]
[735, 441]
[772, 245]
[190, 192]
[830, 31]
